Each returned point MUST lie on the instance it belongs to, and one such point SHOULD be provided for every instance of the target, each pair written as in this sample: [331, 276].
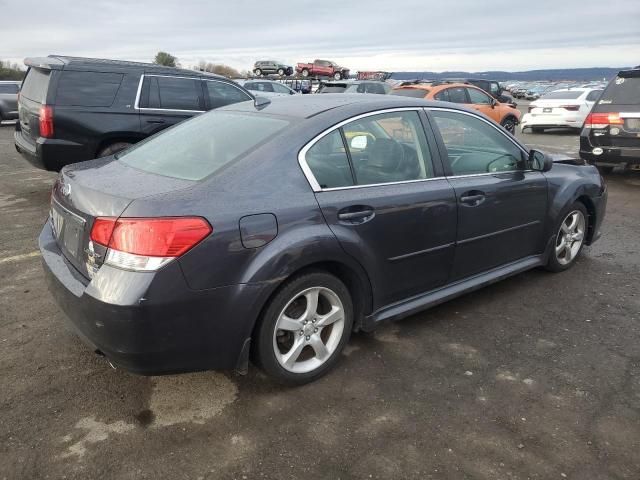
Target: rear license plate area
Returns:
[632, 124]
[68, 229]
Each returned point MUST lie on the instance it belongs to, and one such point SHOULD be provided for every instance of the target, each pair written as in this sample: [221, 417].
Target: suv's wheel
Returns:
[569, 240]
[509, 124]
[605, 170]
[257, 72]
[304, 328]
[113, 148]
[337, 76]
[537, 130]
[281, 72]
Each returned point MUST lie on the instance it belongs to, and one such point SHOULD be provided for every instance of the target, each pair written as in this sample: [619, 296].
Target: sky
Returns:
[408, 35]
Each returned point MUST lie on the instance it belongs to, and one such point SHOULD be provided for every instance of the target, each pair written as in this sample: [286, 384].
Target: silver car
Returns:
[9, 100]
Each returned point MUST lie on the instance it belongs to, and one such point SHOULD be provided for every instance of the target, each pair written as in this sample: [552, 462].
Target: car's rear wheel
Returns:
[537, 130]
[509, 124]
[570, 236]
[304, 328]
[113, 148]
[305, 72]
[257, 72]
[281, 71]
[605, 170]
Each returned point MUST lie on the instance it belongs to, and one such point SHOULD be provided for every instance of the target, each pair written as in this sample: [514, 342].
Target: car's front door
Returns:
[386, 200]
[502, 203]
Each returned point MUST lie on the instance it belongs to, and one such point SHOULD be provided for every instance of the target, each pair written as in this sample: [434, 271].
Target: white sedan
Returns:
[564, 108]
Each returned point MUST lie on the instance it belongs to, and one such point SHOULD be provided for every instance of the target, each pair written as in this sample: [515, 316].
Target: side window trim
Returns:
[443, 149]
[314, 183]
[137, 106]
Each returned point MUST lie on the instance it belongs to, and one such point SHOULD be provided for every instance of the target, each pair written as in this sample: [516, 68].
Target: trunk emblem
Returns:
[65, 189]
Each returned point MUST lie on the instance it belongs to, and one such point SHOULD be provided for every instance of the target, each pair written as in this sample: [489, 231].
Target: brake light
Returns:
[602, 120]
[147, 243]
[46, 121]
[571, 108]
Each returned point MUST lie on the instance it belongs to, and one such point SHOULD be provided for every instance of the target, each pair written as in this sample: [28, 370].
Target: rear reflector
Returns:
[602, 120]
[46, 121]
[148, 243]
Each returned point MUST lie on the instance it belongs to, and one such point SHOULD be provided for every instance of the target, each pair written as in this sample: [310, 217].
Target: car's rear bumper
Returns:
[152, 323]
[50, 154]
[610, 156]
[550, 121]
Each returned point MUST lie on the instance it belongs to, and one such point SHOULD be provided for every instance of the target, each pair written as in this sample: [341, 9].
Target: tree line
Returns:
[168, 60]
[10, 71]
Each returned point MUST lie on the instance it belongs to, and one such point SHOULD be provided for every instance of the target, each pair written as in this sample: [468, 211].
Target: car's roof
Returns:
[307, 106]
[59, 62]
[433, 86]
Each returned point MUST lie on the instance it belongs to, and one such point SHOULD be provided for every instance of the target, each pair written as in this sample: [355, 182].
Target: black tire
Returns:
[264, 344]
[305, 72]
[281, 72]
[537, 130]
[604, 170]
[553, 263]
[509, 124]
[337, 76]
[112, 149]
[257, 72]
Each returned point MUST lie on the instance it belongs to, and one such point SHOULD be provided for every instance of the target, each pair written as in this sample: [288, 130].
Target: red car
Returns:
[322, 68]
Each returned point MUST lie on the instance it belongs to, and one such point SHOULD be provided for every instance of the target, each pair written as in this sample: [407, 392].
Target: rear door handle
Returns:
[472, 199]
[159, 122]
[353, 216]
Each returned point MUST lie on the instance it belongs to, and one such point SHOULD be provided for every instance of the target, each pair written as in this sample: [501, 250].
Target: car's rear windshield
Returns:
[622, 91]
[36, 84]
[332, 89]
[562, 95]
[411, 92]
[199, 147]
[88, 89]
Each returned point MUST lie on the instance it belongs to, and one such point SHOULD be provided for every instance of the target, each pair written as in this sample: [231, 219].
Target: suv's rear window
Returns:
[622, 91]
[88, 89]
[562, 95]
[411, 92]
[35, 85]
[199, 147]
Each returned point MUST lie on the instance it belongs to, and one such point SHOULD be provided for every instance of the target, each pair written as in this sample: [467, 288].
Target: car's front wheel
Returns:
[570, 236]
[337, 76]
[304, 328]
[257, 72]
[305, 72]
[509, 124]
[281, 72]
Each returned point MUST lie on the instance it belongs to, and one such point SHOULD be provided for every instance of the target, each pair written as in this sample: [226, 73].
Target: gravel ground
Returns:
[536, 377]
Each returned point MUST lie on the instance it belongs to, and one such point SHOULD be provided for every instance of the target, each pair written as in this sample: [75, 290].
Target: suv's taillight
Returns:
[147, 243]
[602, 120]
[46, 121]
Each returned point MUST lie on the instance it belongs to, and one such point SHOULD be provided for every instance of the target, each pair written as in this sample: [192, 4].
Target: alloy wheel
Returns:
[308, 330]
[570, 237]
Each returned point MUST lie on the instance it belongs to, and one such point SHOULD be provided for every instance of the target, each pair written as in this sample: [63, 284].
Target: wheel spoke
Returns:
[288, 323]
[568, 254]
[292, 355]
[574, 221]
[312, 304]
[319, 347]
[577, 237]
[333, 316]
[560, 248]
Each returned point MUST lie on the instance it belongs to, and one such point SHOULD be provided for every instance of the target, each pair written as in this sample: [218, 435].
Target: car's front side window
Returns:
[474, 146]
[457, 95]
[477, 97]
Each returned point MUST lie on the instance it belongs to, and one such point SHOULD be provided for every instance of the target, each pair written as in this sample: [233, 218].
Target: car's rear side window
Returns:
[36, 84]
[87, 89]
[223, 93]
[171, 93]
[199, 147]
[622, 91]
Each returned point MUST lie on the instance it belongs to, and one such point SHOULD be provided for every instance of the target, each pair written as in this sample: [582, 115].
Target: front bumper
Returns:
[152, 323]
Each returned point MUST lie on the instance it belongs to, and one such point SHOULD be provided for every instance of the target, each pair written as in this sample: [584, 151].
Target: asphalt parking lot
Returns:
[536, 377]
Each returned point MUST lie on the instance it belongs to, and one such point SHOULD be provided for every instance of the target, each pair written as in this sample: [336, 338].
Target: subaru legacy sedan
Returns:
[272, 231]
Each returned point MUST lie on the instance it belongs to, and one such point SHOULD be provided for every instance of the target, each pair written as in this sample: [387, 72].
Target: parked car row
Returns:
[534, 90]
[317, 68]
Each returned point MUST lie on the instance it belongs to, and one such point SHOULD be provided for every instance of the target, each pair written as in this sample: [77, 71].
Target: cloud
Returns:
[373, 34]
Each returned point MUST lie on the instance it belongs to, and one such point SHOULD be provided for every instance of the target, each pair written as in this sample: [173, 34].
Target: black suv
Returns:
[74, 109]
[611, 133]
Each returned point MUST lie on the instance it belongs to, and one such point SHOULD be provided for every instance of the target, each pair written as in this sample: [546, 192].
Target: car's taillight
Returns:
[571, 108]
[147, 243]
[602, 120]
[46, 121]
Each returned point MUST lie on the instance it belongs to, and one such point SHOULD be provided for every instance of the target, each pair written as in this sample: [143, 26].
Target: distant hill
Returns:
[578, 74]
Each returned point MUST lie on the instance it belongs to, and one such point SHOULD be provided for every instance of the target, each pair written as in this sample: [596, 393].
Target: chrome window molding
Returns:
[309, 174]
[137, 106]
[317, 188]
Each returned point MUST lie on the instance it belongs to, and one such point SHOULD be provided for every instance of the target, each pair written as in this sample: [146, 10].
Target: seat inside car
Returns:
[388, 161]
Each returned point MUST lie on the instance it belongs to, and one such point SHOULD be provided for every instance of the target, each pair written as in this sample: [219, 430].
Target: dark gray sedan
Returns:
[273, 231]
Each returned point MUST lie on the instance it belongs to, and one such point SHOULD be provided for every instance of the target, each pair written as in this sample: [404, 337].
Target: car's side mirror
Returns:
[539, 161]
[359, 142]
[494, 102]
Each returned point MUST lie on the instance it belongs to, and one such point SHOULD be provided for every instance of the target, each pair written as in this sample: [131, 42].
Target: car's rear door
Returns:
[165, 100]
[502, 204]
[386, 200]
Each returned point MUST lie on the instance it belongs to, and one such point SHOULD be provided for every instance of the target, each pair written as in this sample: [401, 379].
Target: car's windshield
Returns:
[622, 91]
[200, 147]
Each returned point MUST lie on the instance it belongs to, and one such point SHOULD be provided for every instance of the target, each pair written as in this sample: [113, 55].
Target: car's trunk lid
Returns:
[98, 188]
